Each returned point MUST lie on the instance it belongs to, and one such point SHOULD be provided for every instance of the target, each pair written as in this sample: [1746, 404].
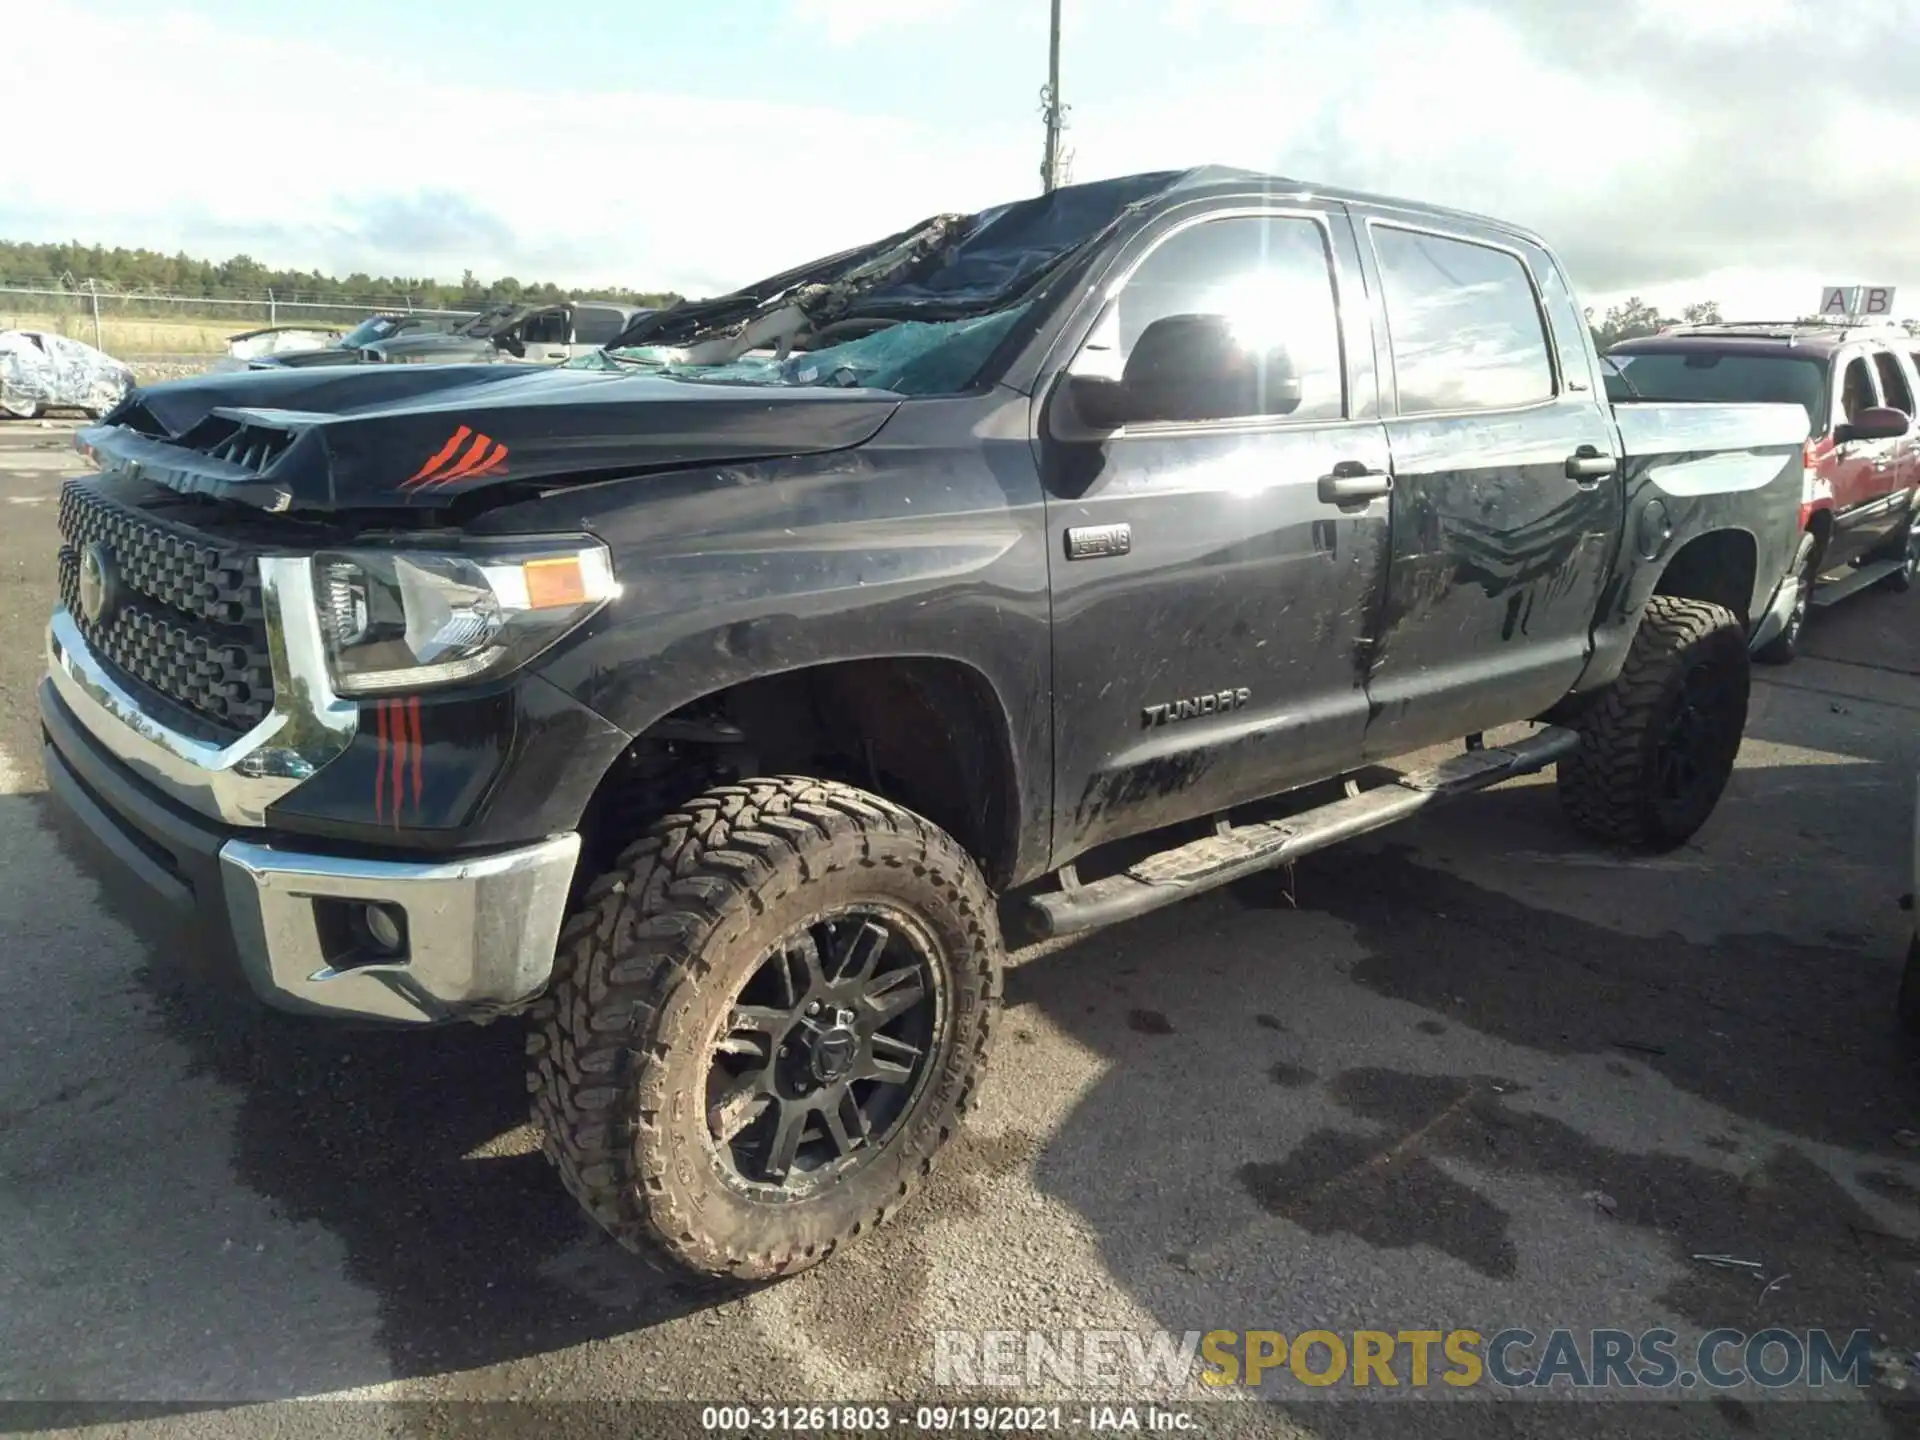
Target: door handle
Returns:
[1352, 482]
[1588, 466]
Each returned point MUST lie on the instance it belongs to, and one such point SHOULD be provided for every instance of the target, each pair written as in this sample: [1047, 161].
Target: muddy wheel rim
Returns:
[823, 1051]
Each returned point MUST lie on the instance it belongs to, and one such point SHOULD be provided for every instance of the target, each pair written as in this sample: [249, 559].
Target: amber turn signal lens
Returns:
[555, 582]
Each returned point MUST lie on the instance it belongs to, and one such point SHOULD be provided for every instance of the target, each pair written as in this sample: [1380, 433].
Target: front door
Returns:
[546, 336]
[1865, 472]
[1507, 491]
[1210, 609]
[1902, 462]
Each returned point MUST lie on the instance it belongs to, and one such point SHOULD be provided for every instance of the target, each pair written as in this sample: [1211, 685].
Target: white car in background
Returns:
[41, 371]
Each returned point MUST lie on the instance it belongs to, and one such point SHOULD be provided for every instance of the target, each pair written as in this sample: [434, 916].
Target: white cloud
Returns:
[1659, 154]
[633, 187]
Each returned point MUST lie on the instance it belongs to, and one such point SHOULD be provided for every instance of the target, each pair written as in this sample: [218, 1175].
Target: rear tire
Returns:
[690, 1098]
[1656, 751]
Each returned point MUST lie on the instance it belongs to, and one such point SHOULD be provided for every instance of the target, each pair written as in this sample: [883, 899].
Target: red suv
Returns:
[1858, 387]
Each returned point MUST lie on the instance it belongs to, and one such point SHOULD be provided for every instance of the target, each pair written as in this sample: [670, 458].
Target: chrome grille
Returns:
[189, 622]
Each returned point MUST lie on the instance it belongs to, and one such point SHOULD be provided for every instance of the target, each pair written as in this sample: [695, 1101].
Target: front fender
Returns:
[928, 541]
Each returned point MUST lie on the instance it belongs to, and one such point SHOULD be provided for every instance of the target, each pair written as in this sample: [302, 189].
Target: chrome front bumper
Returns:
[479, 932]
[185, 820]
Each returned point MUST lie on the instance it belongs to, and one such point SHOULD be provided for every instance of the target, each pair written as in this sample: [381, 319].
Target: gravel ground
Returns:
[1466, 1073]
[148, 369]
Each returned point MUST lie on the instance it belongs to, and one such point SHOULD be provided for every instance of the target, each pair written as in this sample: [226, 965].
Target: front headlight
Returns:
[410, 620]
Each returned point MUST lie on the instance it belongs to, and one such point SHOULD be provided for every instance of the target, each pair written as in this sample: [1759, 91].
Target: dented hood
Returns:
[415, 437]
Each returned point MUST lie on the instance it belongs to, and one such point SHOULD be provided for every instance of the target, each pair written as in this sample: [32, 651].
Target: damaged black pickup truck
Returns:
[709, 701]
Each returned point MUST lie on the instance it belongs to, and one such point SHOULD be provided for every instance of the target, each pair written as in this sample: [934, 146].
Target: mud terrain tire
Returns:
[668, 973]
[1656, 751]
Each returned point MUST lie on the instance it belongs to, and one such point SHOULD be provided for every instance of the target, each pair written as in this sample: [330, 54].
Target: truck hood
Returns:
[413, 437]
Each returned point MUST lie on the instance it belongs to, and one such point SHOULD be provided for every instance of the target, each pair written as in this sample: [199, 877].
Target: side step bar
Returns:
[1236, 851]
[1855, 581]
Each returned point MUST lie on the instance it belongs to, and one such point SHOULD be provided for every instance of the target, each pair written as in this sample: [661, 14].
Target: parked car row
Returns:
[536, 334]
[1861, 463]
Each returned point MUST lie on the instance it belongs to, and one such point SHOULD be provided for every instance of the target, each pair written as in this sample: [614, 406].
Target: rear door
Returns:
[1507, 491]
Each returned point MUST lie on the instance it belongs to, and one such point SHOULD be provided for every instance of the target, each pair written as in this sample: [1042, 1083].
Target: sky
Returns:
[1684, 150]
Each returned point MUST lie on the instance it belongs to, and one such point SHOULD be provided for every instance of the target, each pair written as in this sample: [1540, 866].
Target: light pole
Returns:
[1050, 166]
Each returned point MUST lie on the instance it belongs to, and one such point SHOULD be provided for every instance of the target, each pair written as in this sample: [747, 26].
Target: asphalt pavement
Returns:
[1470, 1072]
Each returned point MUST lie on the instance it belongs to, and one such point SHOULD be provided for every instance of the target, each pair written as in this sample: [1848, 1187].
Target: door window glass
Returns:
[546, 328]
[1893, 384]
[1464, 324]
[1264, 284]
[597, 324]
[1856, 389]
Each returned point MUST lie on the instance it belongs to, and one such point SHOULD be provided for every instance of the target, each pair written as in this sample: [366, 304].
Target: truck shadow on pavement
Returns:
[412, 1149]
[1410, 1099]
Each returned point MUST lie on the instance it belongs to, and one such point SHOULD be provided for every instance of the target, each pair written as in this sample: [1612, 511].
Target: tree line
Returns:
[1634, 317]
[241, 277]
[244, 278]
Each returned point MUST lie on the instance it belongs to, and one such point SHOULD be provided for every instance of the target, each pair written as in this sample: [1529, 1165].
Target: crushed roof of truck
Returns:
[950, 266]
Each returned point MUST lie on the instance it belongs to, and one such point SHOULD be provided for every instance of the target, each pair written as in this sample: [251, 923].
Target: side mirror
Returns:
[1188, 367]
[1193, 367]
[1876, 422]
[1099, 402]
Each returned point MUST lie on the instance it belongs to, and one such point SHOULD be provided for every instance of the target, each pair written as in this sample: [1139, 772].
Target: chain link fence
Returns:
[147, 324]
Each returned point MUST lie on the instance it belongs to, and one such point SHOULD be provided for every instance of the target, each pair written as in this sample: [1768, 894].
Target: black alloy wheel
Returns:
[824, 1050]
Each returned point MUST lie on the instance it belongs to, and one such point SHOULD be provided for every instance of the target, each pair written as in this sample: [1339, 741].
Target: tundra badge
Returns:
[1217, 704]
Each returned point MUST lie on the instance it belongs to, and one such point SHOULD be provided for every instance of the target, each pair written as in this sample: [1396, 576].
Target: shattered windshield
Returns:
[918, 312]
[909, 357]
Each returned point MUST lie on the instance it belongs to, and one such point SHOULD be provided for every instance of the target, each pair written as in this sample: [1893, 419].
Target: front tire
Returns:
[1782, 649]
[767, 1019]
[1656, 751]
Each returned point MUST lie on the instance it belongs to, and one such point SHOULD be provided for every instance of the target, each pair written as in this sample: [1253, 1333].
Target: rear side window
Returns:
[546, 328]
[1464, 324]
[596, 325]
[1893, 384]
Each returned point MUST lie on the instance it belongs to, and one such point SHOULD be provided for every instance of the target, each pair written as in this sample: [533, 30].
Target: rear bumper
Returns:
[476, 933]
